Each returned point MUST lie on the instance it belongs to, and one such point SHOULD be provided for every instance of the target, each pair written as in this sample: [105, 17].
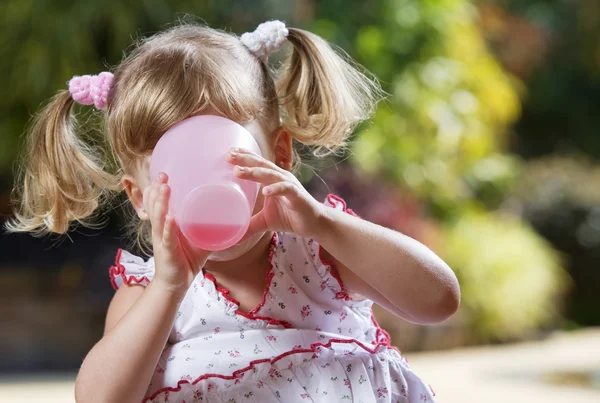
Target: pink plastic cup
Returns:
[211, 206]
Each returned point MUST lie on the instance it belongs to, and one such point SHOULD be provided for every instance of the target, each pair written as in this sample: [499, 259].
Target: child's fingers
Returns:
[150, 193]
[249, 159]
[265, 176]
[146, 200]
[170, 233]
[197, 257]
[161, 208]
[288, 189]
[162, 177]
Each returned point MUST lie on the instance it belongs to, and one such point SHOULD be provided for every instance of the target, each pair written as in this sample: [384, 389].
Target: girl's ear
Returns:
[136, 196]
[283, 148]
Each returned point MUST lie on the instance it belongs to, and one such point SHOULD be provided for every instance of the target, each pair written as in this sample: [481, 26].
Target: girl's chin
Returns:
[236, 250]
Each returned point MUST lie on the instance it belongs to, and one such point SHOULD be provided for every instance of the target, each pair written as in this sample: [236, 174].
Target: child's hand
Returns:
[288, 206]
[177, 262]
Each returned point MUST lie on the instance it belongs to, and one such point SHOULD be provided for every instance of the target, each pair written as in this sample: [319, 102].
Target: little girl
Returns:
[283, 316]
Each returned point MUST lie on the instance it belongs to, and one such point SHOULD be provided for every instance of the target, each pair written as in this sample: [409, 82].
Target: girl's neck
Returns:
[255, 258]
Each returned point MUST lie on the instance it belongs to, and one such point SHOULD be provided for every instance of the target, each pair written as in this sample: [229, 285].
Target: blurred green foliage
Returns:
[441, 135]
[510, 277]
[46, 42]
[442, 132]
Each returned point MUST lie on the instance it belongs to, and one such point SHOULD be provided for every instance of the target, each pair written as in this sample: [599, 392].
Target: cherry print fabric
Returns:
[308, 339]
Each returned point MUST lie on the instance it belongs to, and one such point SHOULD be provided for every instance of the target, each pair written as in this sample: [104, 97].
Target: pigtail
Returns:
[322, 95]
[61, 179]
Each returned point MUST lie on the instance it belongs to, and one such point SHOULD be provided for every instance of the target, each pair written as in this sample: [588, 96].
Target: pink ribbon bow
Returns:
[91, 89]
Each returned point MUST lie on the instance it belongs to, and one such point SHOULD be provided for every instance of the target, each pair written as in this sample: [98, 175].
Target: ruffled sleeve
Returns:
[131, 269]
[329, 278]
[338, 203]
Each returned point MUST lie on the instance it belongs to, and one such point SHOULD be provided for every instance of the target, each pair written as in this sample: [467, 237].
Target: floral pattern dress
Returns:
[307, 341]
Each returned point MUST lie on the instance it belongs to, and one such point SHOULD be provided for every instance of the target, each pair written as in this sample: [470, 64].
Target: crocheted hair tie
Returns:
[91, 89]
[94, 89]
[267, 38]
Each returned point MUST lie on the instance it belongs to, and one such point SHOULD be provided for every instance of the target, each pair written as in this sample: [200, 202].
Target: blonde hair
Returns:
[317, 95]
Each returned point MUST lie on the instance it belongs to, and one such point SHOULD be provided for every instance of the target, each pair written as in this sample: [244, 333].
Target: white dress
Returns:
[307, 341]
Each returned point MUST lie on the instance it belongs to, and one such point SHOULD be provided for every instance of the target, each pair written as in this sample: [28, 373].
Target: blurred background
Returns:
[487, 150]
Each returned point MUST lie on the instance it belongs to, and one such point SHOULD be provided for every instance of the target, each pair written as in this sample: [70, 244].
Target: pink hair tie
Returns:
[91, 89]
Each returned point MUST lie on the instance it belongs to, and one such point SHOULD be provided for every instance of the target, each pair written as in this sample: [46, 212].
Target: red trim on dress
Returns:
[334, 200]
[119, 270]
[382, 338]
[238, 373]
[252, 315]
[382, 332]
[343, 293]
[269, 276]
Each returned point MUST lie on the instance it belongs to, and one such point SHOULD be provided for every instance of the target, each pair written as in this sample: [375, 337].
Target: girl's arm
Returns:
[120, 366]
[392, 269]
